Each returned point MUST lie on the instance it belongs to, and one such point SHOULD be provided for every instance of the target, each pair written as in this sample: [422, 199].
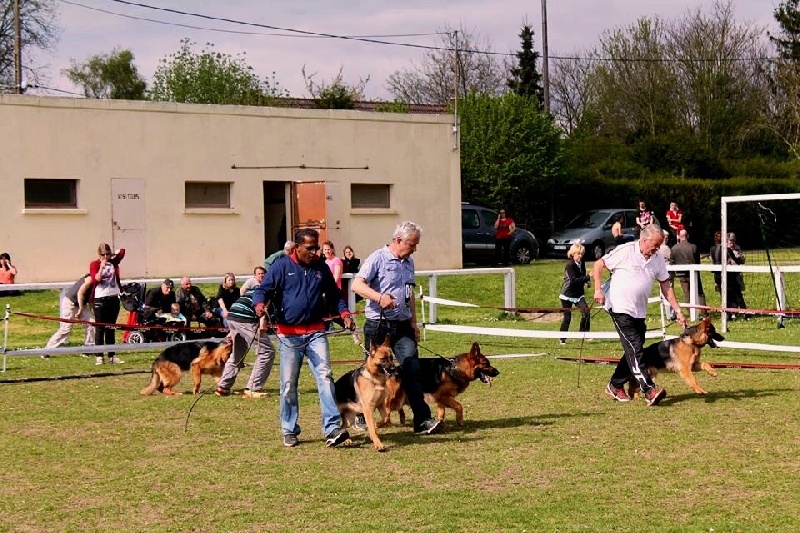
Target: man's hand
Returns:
[681, 319]
[260, 309]
[599, 296]
[349, 323]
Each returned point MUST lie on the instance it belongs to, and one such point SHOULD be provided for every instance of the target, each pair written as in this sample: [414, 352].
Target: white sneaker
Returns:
[115, 360]
[98, 360]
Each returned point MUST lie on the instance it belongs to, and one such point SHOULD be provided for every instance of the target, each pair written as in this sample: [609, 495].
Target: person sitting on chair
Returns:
[194, 306]
[158, 300]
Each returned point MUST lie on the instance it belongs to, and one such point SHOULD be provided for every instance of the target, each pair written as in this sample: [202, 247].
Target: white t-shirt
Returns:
[632, 278]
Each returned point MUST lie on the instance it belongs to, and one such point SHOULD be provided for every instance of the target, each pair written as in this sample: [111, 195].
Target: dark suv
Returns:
[477, 237]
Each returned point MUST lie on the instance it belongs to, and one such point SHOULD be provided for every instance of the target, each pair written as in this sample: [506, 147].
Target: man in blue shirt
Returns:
[300, 286]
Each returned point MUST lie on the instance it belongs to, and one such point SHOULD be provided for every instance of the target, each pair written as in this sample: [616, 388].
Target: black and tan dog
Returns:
[680, 355]
[442, 380]
[363, 390]
[200, 357]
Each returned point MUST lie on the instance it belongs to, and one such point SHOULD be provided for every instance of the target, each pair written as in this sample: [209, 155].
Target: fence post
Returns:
[5, 334]
[509, 292]
[432, 294]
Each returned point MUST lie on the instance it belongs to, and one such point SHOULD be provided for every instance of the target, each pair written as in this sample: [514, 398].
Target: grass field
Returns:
[541, 450]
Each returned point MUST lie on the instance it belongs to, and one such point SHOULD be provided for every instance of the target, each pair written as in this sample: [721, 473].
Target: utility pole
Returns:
[17, 50]
[545, 69]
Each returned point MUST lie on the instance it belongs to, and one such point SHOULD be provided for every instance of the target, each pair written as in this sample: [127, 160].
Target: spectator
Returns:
[300, 288]
[158, 300]
[674, 220]
[287, 249]
[8, 272]
[334, 263]
[504, 229]
[351, 265]
[735, 290]
[194, 306]
[685, 253]
[74, 305]
[174, 317]
[645, 216]
[666, 253]
[634, 266]
[245, 329]
[227, 293]
[617, 231]
[386, 280]
[716, 258]
[106, 288]
[254, 281]
[572, 289]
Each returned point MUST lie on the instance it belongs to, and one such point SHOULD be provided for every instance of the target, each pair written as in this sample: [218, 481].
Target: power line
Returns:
[237, 32]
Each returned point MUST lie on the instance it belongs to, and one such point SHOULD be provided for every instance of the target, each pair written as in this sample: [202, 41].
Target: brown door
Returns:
[308, 207]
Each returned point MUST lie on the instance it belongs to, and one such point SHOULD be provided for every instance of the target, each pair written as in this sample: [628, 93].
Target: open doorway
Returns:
[276, 231]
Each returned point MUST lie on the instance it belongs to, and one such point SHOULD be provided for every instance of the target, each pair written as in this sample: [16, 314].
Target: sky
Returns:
[90, 28]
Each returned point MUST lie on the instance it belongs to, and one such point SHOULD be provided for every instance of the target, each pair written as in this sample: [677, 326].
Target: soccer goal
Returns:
[767, 228]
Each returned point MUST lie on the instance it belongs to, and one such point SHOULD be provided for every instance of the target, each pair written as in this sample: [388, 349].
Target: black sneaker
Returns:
[430, 426]
[360, 423]
[336, 437]
[290, 441]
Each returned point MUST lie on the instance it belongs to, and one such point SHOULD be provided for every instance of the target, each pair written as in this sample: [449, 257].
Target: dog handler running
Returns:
[634, 266]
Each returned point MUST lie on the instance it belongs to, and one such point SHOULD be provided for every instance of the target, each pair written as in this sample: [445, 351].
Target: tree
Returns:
[787, 15]
[210, 77]
[525, 79]
[334, 94]
[784, 111]
[572, 91]
[108, 76]
[38, 30]
[462, 64]
[510, 155]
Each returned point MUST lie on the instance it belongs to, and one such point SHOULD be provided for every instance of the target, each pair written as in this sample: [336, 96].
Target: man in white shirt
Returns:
[634, 266]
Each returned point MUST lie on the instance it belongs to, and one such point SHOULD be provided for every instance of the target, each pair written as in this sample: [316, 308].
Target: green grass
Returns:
[541, 450]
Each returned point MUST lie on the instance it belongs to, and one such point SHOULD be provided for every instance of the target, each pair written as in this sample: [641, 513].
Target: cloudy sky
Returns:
[98, 26]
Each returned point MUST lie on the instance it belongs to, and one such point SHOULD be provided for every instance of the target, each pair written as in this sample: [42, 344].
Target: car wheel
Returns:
[136, 337]
[522, 254]
[598, 249]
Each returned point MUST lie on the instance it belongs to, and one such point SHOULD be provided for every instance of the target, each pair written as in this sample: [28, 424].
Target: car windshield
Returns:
[591, 219]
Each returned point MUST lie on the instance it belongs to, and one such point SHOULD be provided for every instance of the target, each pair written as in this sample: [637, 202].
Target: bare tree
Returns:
[39, 31]
[719, 69]
[572, 91]
[463, 61]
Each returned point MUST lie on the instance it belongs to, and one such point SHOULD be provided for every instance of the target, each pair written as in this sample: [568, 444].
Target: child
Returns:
[174, 317]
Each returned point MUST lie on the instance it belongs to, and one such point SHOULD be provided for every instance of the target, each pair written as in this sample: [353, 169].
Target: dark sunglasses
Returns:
[313, 248]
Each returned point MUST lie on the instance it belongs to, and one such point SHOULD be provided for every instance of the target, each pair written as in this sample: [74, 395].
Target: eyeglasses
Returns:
[312, 248]
[105, 254]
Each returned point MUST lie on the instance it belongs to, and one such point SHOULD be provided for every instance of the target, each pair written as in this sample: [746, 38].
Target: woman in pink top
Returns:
[334, 263]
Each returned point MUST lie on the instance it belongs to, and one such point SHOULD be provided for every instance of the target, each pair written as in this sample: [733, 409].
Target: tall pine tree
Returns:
[525, 79]
[787, 15]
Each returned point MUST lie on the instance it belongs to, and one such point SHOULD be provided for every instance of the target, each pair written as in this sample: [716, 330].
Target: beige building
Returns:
[206, 189]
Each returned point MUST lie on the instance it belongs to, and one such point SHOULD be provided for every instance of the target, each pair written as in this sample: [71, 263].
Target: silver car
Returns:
[593, 230]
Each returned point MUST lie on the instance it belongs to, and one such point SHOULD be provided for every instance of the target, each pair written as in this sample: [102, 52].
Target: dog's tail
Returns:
[155, 382]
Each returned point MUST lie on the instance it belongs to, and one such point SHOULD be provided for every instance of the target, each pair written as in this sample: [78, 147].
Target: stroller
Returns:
[132, 297]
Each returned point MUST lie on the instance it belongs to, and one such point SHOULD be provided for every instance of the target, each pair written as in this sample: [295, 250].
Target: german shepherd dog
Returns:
[364, 389]
[680, 355]
[200, 357]
[442, 380]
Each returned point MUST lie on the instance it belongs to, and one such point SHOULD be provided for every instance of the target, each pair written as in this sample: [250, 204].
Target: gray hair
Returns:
[406, 229]
[650, 231]
[288, 246]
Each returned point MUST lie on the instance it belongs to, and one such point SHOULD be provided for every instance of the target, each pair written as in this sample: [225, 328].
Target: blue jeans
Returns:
[314, 346]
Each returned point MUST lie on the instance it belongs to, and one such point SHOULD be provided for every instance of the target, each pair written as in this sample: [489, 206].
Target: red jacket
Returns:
[94, 268]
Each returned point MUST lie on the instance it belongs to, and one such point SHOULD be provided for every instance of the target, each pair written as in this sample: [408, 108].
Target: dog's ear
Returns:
[387, 341]
[475, 350]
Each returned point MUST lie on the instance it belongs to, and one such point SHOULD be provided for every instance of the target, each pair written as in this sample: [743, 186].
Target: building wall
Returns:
[168, 144]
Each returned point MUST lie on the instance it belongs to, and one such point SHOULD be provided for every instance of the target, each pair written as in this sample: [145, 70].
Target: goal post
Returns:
[725, 200]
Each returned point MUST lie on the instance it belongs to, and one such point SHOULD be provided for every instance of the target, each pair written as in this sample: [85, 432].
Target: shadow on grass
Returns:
[711, 397]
